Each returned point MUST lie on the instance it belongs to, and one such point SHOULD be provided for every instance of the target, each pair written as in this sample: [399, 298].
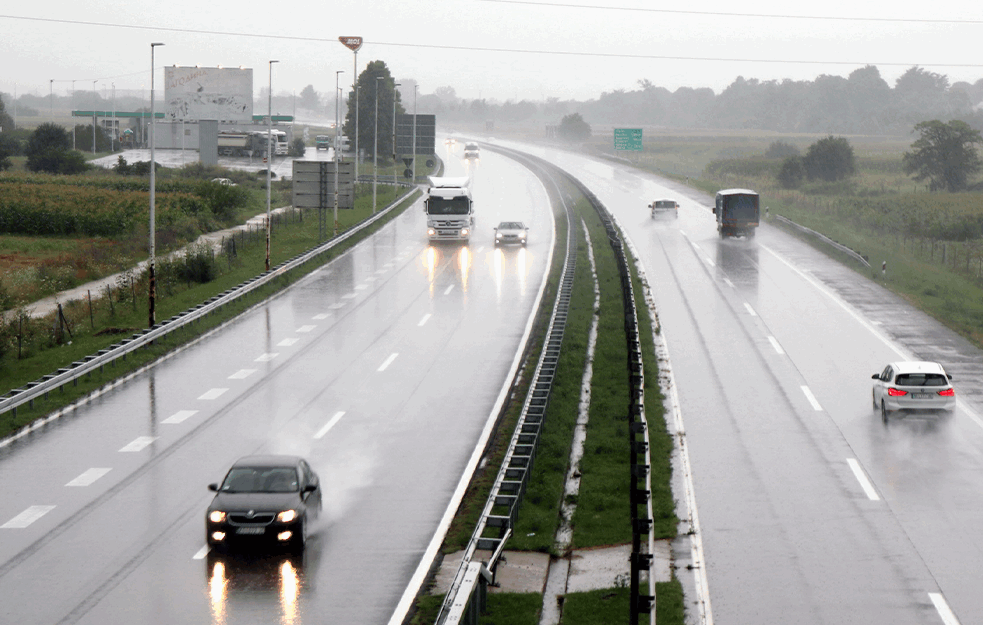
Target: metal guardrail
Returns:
[466, 597]
[825, 239]
[33, 390]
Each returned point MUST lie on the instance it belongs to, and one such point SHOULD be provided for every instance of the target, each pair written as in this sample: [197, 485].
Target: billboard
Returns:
[426, 136]
[313, 184]
[196, 93]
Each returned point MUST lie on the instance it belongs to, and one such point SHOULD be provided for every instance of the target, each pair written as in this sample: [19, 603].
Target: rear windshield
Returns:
[665, 204]
[921, 379]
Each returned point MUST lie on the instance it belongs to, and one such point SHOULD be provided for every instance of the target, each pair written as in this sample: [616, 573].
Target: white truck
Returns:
[449, 209]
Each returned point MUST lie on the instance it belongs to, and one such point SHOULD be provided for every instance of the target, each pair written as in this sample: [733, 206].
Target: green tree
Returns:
[574, 128]
[49, 150]
[945, 154]
[309, 98]
[367, 86]
[297, 148]
[6, 121]
[792, 172]
[830, 159]
[781, 149]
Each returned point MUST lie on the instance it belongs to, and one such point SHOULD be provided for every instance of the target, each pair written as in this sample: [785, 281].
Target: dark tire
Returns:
[884, 415]
[873, 400]
[299, 541]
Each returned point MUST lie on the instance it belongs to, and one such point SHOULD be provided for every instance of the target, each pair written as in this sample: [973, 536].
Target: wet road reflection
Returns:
[737, 260]
[239, 584]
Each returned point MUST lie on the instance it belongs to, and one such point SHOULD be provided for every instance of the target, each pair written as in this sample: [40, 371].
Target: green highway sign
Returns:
[628, 139]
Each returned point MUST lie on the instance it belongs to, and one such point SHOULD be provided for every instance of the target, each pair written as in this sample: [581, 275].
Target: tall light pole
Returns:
[151, 269]
[355, 86]
[375, 148]
[269, 161]
[51, 98]
[72, 115]
[337, 144]
[416, 88]
[94, 97]
[395, 84]
[112, 133]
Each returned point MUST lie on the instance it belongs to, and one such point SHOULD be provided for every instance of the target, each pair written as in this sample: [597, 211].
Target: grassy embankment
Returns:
[33, 348]
[602, 517]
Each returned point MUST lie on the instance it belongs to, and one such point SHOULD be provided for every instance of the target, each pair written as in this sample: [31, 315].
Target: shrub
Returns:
[792, 173]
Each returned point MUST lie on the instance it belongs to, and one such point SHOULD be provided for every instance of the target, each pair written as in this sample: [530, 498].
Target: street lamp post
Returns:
[269, 161]
[395, 84]
[73, 108]
[51, 99]
[337, 144]
[112, 133]
[94, 96]
[416, 88]
[151, 269]
[375, 148]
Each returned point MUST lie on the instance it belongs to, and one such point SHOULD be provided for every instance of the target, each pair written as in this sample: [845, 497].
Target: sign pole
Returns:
[353, 44]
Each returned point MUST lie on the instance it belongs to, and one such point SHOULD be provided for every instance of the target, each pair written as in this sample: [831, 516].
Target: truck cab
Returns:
[449, 209]
[737, 212]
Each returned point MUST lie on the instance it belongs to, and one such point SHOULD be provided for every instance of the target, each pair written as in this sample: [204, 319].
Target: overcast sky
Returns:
[497, 49]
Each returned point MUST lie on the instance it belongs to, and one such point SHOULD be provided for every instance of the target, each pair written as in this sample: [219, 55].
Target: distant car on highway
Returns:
[912, 385]
[511, 232]
[471, 150]
[224, 181]
[264, 502]
[664, 207]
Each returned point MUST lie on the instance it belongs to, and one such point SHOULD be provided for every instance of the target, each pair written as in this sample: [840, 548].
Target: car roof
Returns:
[511, 224]
[267, 461]
[917, 366]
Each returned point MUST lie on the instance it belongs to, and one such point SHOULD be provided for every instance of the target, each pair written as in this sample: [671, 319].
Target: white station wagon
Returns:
[913, 385]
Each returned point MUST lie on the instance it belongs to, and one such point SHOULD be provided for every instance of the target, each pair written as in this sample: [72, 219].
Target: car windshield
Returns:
[665, 204]
[510, 225]
[921, 379]
[261, 480]
[447, 206]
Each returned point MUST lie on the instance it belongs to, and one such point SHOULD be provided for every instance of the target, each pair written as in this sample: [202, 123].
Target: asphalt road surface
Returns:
[382, 369]
[812, 510]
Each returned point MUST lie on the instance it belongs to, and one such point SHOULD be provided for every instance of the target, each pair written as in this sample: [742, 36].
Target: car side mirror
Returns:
[310, 488]
[714, 209]
[876, 376]
[213, 487]
[948, 376]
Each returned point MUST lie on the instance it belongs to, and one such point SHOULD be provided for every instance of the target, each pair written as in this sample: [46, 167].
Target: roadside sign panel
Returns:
[352, 43]
[627, 138]
[313, 184]
[426, 134]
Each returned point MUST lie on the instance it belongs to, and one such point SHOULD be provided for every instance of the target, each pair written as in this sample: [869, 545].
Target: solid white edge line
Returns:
[425, 319]
[942, 607]
[330, 424]
[774, 343]
[812, 398]
[423, 568]
[699, 566]
[389, 361]
[861, 476]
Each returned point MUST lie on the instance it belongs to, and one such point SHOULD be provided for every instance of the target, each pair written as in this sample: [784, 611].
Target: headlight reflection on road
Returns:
[289, 592]
[218, 586]
[498, 271]
[464, 261]
[430, 259]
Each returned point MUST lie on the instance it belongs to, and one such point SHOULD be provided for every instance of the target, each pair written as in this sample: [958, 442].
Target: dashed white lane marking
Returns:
[213, 393]
[242, 374]
[448, 289]
[861, 476]
[942, 607]
[812, 399]
[381, 271]
[388, 362]
[361, 287]
[287, 342]
[27, 517]
[200, 555]
[371, 279]
[330, 424]
[750, 310]
[349, 296]
[138, 444]
[88, 477]
[179, 417]
[425, 319]
[729, 283]
[774, 343]
[337, 305]
[320, 317]
[305, 329]
[266, 357]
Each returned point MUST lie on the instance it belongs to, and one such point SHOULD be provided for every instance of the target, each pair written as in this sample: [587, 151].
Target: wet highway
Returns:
[383, 369]
[811, 509]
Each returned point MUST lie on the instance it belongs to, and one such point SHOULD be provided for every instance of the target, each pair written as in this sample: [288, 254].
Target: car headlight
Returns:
[286, 516]
[464, 231]
[216, 516]
[522, 235]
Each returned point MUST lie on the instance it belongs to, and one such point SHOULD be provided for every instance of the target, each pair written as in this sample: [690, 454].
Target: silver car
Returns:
[511, 232]
[912, 385]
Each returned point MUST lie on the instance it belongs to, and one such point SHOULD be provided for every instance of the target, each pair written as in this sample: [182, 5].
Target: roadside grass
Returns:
[122, 318]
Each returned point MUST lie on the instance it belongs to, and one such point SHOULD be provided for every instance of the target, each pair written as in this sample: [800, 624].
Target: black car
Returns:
[264, 501]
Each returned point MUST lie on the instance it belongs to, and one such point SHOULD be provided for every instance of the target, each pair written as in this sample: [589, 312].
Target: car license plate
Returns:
[250, 530]
[921, 395]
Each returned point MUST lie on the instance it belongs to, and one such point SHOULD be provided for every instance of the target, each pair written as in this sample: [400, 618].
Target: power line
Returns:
[470, 48]
[727, 14]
